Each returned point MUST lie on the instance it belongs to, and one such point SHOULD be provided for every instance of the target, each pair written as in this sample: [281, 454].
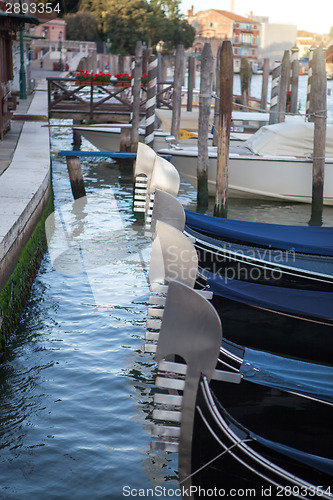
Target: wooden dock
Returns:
[99, 102]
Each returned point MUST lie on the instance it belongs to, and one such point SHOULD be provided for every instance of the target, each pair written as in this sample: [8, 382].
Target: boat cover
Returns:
[309, 303]
[309, 379]
[288, 139]
[320, 463]
[302, 239]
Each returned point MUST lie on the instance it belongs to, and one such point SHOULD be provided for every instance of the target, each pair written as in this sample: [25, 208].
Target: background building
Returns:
[213, 26]
[275, 39]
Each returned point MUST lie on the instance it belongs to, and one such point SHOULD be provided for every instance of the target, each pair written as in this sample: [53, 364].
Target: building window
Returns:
[195, 25]
[235, 51]
[253, 52]
[210, 25]
[246, 38]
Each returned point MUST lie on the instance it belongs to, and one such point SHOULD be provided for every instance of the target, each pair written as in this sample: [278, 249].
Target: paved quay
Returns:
[24, 178]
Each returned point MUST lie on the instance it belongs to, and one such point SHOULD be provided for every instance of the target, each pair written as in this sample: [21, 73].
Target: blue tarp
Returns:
[320, 463]
[289, 300]
[302, 239]
[287, 374]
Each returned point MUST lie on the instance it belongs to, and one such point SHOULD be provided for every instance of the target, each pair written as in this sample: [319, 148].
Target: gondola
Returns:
[291, 322]
[234, 435]
[289, 256]
[285, 321]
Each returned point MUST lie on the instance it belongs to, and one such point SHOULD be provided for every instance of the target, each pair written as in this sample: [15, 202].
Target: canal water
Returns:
[76, 385]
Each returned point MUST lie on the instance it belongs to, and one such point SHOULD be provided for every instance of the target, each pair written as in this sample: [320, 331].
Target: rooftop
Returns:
[232, 16]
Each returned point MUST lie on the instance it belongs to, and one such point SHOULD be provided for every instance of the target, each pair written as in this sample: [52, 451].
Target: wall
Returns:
[52, 29]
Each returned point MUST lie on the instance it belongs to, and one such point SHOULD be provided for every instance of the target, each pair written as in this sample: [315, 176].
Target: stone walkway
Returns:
[24, 179]
[8, 144]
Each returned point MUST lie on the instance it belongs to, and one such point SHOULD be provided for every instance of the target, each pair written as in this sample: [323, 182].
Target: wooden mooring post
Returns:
[264, 89]
[273, 110]
[308, 110]
[222, 174]
[136, 94]
[75, 176]
[177, 91]
[190, 82]
[284, 86]
[318, 105]
[217, 98]
[77, 139]
[151, 101]
[294, 71]
[245, 78]
[205, 98]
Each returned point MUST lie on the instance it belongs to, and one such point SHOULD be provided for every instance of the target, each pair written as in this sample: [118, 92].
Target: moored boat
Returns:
[285, 321]
[290, 256]
[233, 434]
[276, 163]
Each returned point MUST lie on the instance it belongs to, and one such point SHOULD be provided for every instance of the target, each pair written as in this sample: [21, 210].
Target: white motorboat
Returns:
[106, 137]
[275, 163]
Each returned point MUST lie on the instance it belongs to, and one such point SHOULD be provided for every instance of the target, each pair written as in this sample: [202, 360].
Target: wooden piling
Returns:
[245, 77]
[284, 86]
[151, 101]
[264, 89]
[273, 110]
[226, 82]
[177, 91]
[318, 104]
[125, 139]
[75, 176]
[77, 139]
[205, 99]
[190, 82]
[145, 59]
[294, 80]
[136, 95]
[217, 98]
[308, 110]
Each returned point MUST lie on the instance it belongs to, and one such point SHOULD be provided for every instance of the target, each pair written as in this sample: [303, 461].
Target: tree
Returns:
[81, 26]
[64, 6]
[126, 21]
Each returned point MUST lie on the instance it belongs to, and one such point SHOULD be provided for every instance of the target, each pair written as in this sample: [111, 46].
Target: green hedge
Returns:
[15, 293]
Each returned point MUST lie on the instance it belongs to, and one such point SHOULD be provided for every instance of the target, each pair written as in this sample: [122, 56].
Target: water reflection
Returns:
[76, 386]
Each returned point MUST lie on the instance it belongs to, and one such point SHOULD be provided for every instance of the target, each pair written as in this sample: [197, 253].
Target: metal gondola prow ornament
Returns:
[191, 331]
[164, 177]
[144, 164]
[167, 209]
[173, 257]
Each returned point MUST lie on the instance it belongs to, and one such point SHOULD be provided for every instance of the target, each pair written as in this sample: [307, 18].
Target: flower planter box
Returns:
[88, 83]
[128, 84]
[124, 83]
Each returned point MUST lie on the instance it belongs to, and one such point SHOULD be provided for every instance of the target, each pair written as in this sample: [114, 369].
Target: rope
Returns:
[217, 456]
[316, 114]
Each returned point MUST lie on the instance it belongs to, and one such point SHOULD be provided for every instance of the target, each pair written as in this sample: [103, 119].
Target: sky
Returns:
[310, 15]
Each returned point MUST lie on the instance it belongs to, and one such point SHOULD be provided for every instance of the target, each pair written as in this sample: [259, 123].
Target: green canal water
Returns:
[76, 385]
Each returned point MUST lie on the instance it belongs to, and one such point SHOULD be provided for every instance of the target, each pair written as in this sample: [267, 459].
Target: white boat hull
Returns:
[107, 137]
[250, 176]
